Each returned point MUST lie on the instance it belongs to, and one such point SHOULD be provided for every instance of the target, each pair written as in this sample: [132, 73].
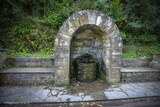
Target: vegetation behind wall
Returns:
[29, 26]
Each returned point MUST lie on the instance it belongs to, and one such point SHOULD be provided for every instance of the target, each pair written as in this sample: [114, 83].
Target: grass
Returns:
[133, 51]
[140, 51]
[49, 54]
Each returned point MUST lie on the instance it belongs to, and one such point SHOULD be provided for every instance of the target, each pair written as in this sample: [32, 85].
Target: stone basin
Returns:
[86, 72]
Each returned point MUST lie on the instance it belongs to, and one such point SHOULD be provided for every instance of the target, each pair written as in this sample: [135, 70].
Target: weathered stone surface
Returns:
[139, 74]
[136, 63]
[3, 56]
[155, 64]
[31, 62]
[156, 57]
[156, 61]
[27, 76]
[129, 92]
[86, 68]
[91, 32]
[87, 41]
[87, 72]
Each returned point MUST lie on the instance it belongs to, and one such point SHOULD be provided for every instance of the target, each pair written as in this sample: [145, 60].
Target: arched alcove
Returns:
[87, 39]
[103, 35]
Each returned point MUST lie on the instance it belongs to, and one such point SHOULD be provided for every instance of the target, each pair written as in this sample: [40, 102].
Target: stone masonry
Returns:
[109, 46]
[27, 76]
[3, 56]
[156, 61]
[139, 74]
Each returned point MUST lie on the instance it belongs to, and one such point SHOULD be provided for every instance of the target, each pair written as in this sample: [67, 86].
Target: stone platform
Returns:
[139, 74]
[130, 92]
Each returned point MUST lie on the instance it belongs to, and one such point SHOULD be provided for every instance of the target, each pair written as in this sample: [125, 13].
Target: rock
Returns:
[156, 61]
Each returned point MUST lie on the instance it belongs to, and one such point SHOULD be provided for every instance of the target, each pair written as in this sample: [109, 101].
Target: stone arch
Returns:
[112, 45]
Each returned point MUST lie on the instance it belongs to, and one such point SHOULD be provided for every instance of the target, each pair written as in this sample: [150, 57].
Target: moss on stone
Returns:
[87, 72]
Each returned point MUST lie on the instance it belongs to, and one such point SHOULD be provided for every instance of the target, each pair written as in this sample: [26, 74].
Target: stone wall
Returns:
[3, 56]
[112, 44]
[87, 40]
[49, 62]
[30, 62]
[136, 63]
[140, 76]
[156, 61]
[26, 79]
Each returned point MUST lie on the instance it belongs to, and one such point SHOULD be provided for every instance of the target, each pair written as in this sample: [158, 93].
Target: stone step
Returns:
[140, 74]
[27, 76]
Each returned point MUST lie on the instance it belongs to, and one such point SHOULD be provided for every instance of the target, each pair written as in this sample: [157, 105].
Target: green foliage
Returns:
[35, 30]
[112, 8]
[30, 36]
[2, 67]
[56, 18]
[117, 10]
[42, 54]
[30, 26]
[142, 16]
[127, 38]
[147, 39]
[140, 51]
[140, 39]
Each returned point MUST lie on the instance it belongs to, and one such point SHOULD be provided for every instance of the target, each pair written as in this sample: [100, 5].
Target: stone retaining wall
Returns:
[30, 62]
[156, 61]
[140, 76]
[136, 63]
[49, 62]
[3, 56]
[27, 76]
[29, 79]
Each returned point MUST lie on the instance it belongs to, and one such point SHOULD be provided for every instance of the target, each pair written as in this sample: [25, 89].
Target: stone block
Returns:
[155, 65]
[156, 57]
[3, 56]
[156, 61]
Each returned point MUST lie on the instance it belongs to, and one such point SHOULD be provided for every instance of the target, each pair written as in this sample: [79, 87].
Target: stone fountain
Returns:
[88, 32]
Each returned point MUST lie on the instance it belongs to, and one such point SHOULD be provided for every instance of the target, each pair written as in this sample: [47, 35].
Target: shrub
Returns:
[29, 36]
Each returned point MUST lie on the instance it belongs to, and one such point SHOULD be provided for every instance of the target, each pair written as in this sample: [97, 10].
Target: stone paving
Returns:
[37, 94]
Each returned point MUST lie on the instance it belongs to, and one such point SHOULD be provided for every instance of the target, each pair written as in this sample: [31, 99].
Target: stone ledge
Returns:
[27, 70]
[139, 70]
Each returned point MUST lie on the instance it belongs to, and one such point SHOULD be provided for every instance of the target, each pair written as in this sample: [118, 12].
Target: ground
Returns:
[123, 94]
